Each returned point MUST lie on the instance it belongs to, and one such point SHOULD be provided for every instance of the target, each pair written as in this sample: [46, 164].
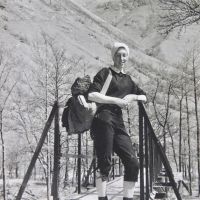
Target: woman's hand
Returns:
[130, 98]
[142, 98]
[83, 102]
[134, 97]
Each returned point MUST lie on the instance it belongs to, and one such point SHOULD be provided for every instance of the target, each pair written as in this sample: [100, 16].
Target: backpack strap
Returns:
[107, 83]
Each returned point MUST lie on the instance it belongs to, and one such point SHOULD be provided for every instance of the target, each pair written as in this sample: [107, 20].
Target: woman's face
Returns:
[120, 58]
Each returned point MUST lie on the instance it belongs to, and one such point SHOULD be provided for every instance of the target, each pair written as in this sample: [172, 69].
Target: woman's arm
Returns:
[100, 98]
[135, 97]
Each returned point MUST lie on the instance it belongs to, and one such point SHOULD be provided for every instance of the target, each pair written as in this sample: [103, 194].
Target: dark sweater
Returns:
[120, 86]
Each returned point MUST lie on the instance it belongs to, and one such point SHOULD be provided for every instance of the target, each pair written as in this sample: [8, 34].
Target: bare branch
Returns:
[178, 14]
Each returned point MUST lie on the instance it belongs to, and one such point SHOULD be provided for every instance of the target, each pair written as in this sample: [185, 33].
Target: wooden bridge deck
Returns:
[114, 191]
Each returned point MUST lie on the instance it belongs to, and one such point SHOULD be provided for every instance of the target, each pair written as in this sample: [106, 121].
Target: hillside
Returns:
[140, 20]
[74, 28]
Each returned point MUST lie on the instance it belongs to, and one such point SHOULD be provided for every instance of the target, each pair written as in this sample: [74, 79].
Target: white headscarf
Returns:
[118, 45]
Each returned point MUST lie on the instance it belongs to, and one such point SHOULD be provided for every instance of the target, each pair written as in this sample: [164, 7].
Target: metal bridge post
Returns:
[94, 167]
[79, 163]
[151, 163]
[141, 152]
[146, 158]
[57, 155]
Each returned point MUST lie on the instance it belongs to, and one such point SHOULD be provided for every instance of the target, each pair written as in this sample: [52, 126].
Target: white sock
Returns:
[128, 189]
[101, 187]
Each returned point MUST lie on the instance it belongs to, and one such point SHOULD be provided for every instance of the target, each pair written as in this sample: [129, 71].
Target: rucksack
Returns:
[81, 86]
[78, 113]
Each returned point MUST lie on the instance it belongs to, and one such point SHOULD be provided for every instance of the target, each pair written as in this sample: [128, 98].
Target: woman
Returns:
[108, 128]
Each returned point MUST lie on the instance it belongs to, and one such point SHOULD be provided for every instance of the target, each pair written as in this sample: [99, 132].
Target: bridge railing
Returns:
[153, 160]
[151, 155]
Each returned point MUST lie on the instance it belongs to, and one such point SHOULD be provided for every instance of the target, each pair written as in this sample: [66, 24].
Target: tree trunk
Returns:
[180, 136]
[66, 180]
[34, 172]
[75, 165]
[173, 147]
[3, 155]
[16, 171]
[189, 145]
[48, 177]
[184, 166]
[197, 123]
[166, 116]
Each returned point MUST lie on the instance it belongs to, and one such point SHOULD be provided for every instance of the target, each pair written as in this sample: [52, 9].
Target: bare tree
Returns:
[180, 96]
[195, 59]
[189, 144]
[191, 90]
[162, 116]
[48, 81]
[178, 14]
[187, 87]
[163, 113]
[6, 87]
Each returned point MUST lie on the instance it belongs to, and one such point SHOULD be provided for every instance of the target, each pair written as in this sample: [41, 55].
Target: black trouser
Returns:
[108, 139]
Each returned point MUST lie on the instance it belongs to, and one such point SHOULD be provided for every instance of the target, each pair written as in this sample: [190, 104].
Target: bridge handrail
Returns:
[151, 153]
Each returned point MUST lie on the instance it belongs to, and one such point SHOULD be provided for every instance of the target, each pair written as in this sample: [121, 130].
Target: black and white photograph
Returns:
[99, 99]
